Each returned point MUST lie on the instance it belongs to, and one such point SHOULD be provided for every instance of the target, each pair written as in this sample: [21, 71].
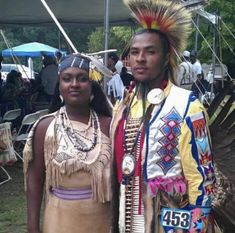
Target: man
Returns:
[49, 77]
[126, 77]
[115, 85]
[163, 172]
[185, 74]
[197, 68]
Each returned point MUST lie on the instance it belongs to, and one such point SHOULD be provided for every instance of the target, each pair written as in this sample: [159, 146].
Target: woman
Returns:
[69, 151]
[163, 169]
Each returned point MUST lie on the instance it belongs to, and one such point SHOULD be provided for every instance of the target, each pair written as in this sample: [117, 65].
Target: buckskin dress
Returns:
[77, 184]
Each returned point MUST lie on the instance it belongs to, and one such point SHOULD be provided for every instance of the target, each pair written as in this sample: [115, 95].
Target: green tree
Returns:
[118, 39]
[47, 35]
[224, 36]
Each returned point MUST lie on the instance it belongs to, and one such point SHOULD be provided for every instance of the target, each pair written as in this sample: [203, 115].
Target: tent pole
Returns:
[106, 38]
[214, 54]
[196, 33]
[59, 40]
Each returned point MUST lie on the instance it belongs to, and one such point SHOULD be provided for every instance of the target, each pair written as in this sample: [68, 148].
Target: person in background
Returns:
[25, 96]
[11, 91]
[49, 76]
[115, 85]
[185, 74]
[202, 90]
[58, 57]
[69, 153]
[163, 172]
[126, 77]
[197, 68]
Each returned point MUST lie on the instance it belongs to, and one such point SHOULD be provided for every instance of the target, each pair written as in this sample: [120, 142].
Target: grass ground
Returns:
[12, 201]
[13, 204]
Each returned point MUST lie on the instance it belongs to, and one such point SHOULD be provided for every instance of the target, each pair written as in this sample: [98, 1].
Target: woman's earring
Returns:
[91, 97]
[62, 99]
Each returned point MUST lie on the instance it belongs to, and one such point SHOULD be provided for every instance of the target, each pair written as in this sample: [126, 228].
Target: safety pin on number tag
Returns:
[176, 218]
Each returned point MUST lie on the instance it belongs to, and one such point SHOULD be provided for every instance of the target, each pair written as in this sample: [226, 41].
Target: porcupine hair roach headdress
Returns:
[170, 18]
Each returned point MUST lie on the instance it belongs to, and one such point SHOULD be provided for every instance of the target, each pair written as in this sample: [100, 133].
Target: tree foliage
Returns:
[118, 39]
[47, 35]
[224, 33]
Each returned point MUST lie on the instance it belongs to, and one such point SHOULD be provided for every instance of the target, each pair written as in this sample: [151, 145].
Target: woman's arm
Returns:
[36, 176]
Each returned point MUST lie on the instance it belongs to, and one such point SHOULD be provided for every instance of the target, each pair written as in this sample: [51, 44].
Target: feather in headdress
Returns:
[169, 17]
[97, 66]
[92, 65]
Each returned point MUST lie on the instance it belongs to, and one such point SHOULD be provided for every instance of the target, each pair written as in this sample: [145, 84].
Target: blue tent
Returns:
[33, 49]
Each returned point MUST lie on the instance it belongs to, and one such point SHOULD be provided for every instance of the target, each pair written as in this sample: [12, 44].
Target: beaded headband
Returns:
[90, 64]
[169, 17]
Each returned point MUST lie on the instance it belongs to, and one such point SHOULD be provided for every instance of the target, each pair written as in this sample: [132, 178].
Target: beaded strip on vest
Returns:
[134, 221]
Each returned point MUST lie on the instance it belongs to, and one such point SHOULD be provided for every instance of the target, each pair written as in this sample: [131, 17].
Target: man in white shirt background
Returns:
[185, 74]
[197, 68]
[115, 85]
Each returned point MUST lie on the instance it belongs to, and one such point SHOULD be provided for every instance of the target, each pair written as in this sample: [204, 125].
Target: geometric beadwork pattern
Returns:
[169, 141]
[201, 138]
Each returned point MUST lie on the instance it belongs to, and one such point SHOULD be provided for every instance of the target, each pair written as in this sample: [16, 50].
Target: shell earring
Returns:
[62, 99]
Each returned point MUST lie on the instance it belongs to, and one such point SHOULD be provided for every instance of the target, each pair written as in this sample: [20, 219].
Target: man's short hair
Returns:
[193, 53]
[113, 56]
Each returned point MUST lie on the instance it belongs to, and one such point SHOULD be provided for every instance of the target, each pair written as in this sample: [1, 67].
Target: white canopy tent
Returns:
[72, 12]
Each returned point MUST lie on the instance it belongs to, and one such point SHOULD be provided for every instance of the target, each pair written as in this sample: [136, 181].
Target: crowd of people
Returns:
[15, 93]
[143, 164]
[18, 92]
[191, 76]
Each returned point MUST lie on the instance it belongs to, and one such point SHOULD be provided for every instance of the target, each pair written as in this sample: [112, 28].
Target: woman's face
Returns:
[147, 59]
[75, 86]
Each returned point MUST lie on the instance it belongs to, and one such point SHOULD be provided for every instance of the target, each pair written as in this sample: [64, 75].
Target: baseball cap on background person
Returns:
[186, 53]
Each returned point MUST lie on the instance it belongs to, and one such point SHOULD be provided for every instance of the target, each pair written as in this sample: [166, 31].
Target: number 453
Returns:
[176, 218]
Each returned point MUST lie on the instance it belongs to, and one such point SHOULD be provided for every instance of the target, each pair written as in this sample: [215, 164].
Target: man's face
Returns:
[110, 63]
[193, 59]
[147, 59]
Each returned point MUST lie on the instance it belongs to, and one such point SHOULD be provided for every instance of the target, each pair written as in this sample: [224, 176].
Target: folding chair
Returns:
[24, 129]
[11, 115]
[42, 112]
[7, 152]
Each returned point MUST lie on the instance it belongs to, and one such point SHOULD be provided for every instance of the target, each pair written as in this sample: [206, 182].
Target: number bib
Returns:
[176, 218]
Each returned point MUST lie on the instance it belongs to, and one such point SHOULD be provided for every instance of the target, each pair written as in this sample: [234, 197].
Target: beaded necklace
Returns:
[77, 136]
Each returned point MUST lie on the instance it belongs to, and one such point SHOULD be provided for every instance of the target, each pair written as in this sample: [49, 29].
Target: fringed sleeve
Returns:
[28, 149]
[28, 152]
